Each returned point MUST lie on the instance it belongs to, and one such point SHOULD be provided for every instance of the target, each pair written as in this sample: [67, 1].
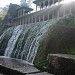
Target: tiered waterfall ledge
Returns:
[12, 66]
[42, 73]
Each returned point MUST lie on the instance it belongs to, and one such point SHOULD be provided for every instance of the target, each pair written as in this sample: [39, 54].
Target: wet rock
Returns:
[61, 64]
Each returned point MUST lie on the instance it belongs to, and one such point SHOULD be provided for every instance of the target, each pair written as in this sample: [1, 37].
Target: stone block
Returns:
[61, 64]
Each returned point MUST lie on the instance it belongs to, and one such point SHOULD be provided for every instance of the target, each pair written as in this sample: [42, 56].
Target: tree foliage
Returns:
[3, 12]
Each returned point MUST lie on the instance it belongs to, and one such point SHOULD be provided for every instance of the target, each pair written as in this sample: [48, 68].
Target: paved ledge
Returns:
[42, 73]
[12, 66]
[63, 55]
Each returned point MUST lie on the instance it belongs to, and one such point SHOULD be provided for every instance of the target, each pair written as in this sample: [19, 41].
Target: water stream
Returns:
[24, 40]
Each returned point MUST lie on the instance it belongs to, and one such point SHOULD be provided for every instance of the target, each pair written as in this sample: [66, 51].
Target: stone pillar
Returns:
[58, 1]
[43, 17]
[48, 2]
[44, 4]
[40, 6]
[17, 22]
[23, 12]
[39, 18]
[70, 10]
[58, 14]
[25, 21]
[32, 19]
[20, 22]
[64, 12]
[36, 7]
[35, 19]
[48, 15]
[29, 20]
[52, 14]
[18, 13]
[53, 1]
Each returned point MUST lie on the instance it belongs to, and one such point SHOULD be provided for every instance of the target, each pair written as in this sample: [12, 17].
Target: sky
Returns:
[3, 3]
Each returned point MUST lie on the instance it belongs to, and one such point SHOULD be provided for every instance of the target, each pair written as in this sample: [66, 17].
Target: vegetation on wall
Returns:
[60, 38]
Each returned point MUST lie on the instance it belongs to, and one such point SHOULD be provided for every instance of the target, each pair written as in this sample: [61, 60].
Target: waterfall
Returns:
[24, 41]
[12, 41]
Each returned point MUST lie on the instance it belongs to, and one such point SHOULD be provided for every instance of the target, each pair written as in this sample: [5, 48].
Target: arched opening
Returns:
[42, 5]
[51, 2]
[38, 7]
[46, 3]
[55, 1]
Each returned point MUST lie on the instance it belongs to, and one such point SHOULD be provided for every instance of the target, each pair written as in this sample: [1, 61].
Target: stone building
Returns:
[48, 9]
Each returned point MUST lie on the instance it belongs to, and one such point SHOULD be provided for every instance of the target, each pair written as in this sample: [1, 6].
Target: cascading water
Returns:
[24, 42]
[12, 41]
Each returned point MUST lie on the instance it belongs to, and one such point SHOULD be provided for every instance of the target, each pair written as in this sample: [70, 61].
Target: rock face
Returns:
[61, 64]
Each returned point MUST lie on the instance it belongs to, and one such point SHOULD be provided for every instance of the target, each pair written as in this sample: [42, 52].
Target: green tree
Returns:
[5, 9]
[3, 12]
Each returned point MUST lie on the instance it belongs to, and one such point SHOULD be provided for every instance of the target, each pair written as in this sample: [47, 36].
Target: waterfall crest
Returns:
[24, 42]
